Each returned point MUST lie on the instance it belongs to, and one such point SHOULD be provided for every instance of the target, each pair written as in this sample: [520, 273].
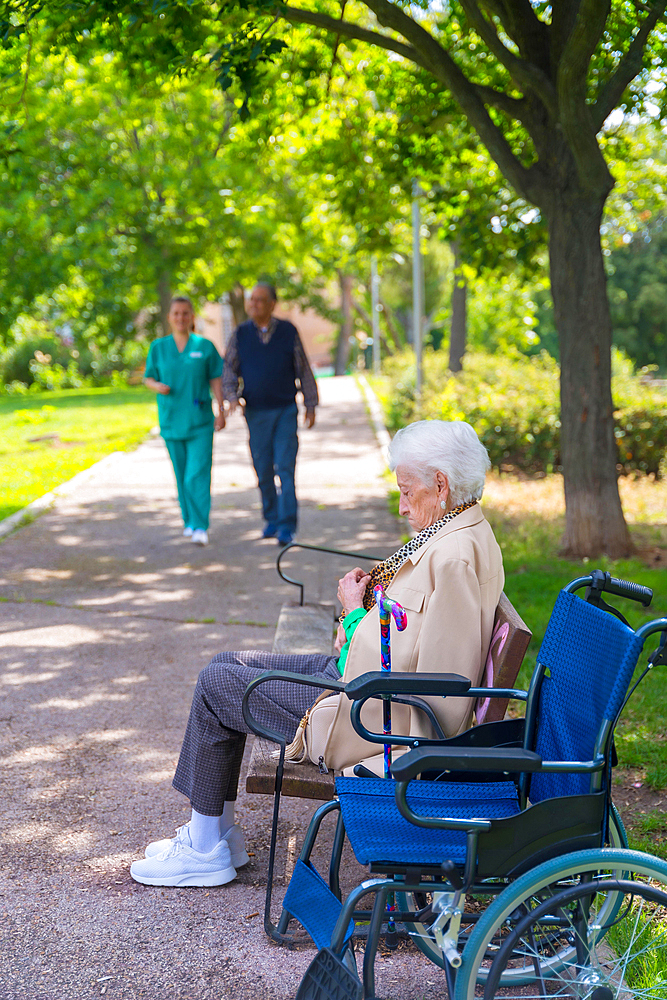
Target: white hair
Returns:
[450, 447]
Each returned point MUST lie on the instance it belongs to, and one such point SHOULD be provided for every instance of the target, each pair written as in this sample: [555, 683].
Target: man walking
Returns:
[267, 354]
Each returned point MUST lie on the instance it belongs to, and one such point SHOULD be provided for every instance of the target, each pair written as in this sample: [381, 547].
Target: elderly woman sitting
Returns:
[449, 578]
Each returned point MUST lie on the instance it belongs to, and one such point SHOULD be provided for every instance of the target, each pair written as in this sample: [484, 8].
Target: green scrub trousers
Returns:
[192, 458]
[186, 418]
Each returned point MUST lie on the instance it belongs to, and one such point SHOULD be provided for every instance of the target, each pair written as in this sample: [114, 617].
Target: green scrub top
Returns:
[187, 409]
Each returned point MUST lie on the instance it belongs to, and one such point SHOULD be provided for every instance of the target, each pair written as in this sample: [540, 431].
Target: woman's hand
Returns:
[341, 639]
[160, 387]
[351, 589]
[219, 421]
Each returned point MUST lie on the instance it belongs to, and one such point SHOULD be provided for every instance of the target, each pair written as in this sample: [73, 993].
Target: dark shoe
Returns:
[284, 538]
[270, 531]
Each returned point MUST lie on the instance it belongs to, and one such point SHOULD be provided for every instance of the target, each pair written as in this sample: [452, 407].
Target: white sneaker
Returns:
[200, 537]
[181, 865]
[188, 532]
[234, 838]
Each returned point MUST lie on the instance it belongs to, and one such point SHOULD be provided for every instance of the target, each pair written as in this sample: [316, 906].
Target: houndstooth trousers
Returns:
[210, 760]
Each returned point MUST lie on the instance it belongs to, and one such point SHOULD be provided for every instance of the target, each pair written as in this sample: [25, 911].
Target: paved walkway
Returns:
[107, 616]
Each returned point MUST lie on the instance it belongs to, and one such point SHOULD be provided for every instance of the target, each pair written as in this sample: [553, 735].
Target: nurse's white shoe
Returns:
[200, 537]
[188, 532]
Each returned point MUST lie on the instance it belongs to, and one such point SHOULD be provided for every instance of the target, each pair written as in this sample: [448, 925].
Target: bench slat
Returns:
[302, 781]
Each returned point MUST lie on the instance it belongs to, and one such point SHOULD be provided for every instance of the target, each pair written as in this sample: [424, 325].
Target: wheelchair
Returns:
[499, 851]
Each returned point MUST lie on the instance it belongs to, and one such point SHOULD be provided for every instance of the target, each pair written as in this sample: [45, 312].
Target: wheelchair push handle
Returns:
[625, 588]
[599, 581]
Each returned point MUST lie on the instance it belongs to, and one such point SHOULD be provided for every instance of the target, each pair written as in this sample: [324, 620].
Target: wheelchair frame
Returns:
[563, 848]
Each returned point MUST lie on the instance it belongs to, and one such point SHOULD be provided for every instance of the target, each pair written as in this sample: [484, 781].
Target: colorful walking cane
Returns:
[388, 609]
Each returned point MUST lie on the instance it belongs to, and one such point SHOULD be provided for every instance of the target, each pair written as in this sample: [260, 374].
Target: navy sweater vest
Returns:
[267, 370]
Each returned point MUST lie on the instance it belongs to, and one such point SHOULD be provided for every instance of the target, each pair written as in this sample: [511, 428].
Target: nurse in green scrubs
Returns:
[183, 369]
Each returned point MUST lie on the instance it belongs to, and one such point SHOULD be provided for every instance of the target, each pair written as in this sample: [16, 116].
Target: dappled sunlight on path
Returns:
[106, 617]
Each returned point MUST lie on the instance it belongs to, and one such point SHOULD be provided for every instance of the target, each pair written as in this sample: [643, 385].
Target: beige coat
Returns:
[449, 588]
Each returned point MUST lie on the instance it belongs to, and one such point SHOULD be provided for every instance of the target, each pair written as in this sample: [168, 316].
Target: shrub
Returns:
[513, 403]
[49, 376]
[15, 361]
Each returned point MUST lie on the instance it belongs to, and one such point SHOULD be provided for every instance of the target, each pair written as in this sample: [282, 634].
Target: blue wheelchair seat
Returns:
[379, 834]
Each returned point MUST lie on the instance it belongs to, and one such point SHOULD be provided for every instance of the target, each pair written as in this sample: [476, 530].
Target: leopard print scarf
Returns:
[385, 571]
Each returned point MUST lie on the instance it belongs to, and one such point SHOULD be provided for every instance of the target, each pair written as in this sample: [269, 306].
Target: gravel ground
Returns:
[107, 616]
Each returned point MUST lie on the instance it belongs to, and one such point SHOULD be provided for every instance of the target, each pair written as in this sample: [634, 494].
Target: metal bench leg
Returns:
[336, 855]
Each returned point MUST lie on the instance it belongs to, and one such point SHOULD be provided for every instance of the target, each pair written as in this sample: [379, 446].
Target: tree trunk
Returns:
[237, 303]
[394, 327]
[369, 323]
[164, 295]
[594, 518]
[343, 345]
[458, 329]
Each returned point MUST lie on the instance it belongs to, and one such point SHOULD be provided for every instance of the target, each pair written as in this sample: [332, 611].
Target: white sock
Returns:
[204, 832]
[227, 818]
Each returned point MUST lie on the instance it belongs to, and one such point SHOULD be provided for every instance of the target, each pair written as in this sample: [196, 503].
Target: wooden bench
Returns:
[309, 629]
[302, 628]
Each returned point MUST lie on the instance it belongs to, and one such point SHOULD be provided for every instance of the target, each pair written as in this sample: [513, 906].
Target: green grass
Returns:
[77, 428]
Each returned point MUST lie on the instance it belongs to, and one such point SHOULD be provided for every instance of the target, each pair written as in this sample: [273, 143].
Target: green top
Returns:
[187, 408]
[350, 623]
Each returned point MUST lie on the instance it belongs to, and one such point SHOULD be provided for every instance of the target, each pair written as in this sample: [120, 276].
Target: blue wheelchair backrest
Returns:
[588, 658]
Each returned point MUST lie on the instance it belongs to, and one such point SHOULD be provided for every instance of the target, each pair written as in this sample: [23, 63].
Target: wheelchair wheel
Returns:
[542, 950]
[625, 956]
[420, 931]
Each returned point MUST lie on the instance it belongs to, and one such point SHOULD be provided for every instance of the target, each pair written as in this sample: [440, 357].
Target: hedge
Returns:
[513, 404]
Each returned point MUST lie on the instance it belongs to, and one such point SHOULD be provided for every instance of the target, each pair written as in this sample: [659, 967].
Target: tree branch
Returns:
[563, 18]
[627, 69]
[523, 26]
[425, 51]
[525, 75]
[297, 15]
[576, 116]
[516, 107]
[440, 64]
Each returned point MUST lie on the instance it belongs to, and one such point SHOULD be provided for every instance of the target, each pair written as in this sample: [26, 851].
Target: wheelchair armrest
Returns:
[378, 682]
[432, 758]
[256, 727]
[506, 733]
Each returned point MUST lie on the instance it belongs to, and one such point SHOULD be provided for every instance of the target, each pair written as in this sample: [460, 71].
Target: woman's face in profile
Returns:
[181, 317]
[418, 502]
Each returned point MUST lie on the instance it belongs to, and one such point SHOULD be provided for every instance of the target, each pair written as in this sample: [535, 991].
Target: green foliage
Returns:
[641, 419]
[15, 361]
[39, 361]
[513, 403]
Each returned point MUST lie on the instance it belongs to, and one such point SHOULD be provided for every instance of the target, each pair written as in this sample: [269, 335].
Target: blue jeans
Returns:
[273, 447]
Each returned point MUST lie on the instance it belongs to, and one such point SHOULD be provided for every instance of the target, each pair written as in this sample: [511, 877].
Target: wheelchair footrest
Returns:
[328, 979]
[311, 901]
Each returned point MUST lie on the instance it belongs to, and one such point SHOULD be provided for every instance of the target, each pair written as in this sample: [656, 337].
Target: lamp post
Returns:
[375, 318]
[417, 285]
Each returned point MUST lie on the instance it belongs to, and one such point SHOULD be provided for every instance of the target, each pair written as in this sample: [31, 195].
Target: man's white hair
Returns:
[450, 447]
